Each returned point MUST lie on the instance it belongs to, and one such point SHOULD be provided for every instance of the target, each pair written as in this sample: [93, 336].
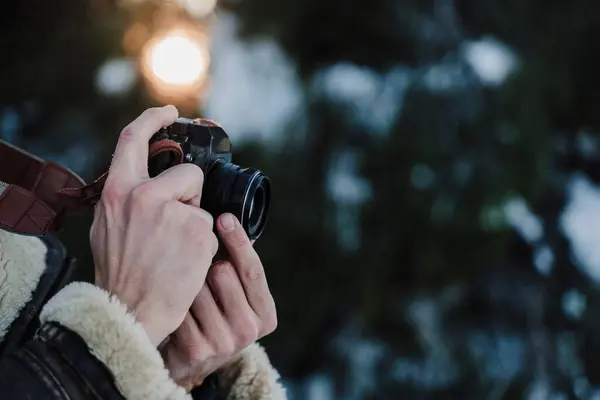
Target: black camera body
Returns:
[244, 192]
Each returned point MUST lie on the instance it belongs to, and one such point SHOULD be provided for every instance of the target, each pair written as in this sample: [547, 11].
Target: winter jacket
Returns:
[78, 342]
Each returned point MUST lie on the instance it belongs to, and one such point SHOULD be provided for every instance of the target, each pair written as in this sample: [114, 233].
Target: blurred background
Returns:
[435, 232]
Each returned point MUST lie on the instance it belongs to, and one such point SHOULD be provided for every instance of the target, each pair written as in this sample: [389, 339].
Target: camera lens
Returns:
[244, 192]
[258, 208]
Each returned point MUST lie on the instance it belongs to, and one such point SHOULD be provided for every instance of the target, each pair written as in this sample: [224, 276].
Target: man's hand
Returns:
[150, 249]
[231, 312]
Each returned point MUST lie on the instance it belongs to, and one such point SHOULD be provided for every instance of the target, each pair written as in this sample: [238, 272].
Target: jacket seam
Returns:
[73, 368]
[48, 372]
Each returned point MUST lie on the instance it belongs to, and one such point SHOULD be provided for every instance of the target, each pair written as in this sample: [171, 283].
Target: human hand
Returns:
[150, 249]
[234, 309]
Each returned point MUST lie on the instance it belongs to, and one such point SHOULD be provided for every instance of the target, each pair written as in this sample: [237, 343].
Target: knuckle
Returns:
[193, 170]
[193, 352]
[127, 134]
[270, 323]
[247, 333]
[206, 217]
[198, 226]
[221, 270]
[254, 272]
[143, 195]
[112, 193]
[225, 346]
[210, 352]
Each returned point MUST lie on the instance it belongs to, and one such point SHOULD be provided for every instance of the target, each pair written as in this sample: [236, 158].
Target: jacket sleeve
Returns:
[89, 345]
[55, 365]
[19, 275]
[121, 344]
[31, 271]
[116, 339]
[250, 376]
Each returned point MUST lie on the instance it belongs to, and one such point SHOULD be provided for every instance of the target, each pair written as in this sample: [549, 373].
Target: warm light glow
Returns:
[176, 63]
[177, 60]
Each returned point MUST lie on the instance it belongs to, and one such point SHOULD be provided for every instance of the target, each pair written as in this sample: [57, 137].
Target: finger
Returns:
[227, 289]
[184, 347]
[208, 316]
[130, 160]
[181, 182]
[247, 263]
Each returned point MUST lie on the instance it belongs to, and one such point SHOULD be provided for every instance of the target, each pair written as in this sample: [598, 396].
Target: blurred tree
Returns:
[478, 146]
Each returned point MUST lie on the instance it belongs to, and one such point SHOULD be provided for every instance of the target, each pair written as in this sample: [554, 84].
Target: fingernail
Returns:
[227, 222]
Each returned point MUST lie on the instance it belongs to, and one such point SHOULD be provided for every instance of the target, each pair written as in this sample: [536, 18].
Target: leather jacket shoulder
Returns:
[78, 342]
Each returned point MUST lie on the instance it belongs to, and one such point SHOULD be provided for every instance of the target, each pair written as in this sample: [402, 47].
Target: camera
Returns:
[244, 192]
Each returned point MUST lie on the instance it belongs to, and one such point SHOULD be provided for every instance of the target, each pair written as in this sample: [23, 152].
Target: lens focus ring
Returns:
[246, 193]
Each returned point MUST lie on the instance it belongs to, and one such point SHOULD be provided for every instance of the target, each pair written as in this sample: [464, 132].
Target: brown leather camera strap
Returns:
[35, 195]
[29, 199]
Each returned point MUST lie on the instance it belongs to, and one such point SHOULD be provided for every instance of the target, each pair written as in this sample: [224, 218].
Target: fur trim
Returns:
[112, 333]
[250, 376]
[22, 263]
[116, 339]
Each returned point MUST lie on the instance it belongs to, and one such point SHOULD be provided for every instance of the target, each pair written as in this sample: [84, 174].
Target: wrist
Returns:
[136, 307]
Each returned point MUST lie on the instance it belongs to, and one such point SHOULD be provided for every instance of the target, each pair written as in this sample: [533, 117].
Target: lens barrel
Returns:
[244, 192]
